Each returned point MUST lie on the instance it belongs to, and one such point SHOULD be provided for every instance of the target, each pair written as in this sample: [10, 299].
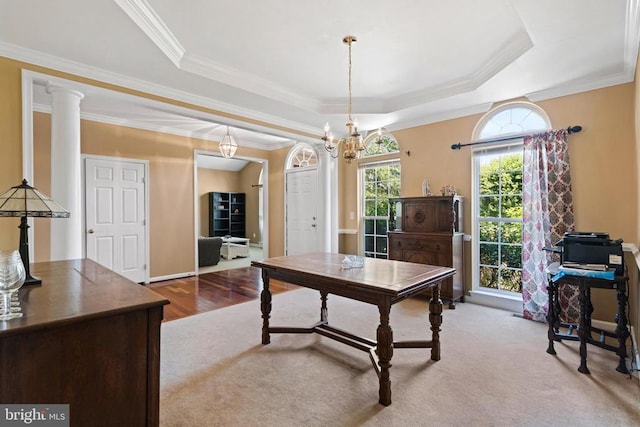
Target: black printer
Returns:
[591, 248]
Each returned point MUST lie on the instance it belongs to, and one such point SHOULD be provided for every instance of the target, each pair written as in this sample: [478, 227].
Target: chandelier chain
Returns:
[350, 41]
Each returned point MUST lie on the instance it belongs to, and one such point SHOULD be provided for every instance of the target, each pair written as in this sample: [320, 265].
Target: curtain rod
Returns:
[570, 129]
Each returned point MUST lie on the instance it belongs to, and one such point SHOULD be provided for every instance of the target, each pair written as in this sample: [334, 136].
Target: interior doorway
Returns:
[214, 173]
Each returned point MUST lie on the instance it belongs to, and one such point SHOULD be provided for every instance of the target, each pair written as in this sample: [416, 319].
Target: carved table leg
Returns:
[584, 330]
[552, 316]
[385, 351]
[435, 318]
[265, 307]
[324, 313]
[622, 332]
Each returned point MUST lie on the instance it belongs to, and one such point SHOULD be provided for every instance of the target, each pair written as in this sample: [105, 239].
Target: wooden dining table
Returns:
[379, 282]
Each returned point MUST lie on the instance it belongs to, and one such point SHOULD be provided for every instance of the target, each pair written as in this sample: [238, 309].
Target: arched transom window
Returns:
[303, 156]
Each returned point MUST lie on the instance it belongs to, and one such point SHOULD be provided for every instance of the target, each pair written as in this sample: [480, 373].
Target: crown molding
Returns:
[441, 116]
[143, 15]
[100, 118]
[216, 71]
[631, 42]
[574, 87]
[496, 62]
[82, 70]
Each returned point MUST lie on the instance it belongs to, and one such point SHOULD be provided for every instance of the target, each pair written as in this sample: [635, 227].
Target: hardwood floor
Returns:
[211, 291]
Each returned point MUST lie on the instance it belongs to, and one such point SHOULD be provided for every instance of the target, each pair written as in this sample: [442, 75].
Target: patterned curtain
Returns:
[547, 213]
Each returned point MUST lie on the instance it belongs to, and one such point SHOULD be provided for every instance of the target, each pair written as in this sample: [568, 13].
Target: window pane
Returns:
[489, 183]
[381, 245]
[381, 227]
[489, 206]
[489, 231]
[511, 255]
[511, 232]
[489, 277]
[369, 190]
[369, 243]
[511, 207]
[488, 254]
[511, 280]
[383, 207]
[370, 207]
[369, 226]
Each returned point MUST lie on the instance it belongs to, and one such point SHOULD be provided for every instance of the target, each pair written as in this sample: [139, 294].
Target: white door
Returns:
[115, 215]
[302, 212]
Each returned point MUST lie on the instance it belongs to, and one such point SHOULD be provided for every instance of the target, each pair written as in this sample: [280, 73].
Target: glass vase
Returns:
[12, 275]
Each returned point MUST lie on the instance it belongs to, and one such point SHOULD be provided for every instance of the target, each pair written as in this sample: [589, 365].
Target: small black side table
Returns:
[585, 330]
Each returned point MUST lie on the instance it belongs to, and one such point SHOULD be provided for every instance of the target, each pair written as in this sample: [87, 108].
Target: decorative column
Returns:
[66, 172]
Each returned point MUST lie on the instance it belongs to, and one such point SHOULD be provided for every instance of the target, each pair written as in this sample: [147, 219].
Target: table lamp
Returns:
[24, 201]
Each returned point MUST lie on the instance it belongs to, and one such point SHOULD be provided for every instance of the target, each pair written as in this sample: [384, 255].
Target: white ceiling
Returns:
[283, 62]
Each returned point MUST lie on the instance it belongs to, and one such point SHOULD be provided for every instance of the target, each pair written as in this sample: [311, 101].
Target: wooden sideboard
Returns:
[89, 338]
[428, 230]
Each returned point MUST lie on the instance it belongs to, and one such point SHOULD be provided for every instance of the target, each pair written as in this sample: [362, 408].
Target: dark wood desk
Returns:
[89, 338]
[380, 282]
[584, 328]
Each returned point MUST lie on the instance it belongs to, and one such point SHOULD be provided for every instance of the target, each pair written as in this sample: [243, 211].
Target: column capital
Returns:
[55, 89]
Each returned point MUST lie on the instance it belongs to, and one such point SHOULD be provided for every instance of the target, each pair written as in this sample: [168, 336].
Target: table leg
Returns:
[584, 330]
[265, 306]
[324, 313]
[552, 317]
[385, 351]
[435, 318]
[622, 332]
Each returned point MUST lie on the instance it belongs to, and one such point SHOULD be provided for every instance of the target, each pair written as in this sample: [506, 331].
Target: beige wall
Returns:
[11, 144]
[214, 180]
[249, 178]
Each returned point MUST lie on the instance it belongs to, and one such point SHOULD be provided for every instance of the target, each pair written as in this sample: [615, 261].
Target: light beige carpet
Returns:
[255, 253]
[494, 371]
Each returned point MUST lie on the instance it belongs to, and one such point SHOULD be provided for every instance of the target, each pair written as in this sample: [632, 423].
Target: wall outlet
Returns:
[254, 235]
[352, 215]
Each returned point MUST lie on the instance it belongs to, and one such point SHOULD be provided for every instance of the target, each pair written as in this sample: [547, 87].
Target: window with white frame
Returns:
[379, 182]
[303, 156]
[497, 194]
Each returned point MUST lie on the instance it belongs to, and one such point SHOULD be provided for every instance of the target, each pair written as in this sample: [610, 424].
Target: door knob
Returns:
[90, 231]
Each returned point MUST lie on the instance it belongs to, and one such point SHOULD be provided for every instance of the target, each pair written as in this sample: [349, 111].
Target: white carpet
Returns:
[494, 371]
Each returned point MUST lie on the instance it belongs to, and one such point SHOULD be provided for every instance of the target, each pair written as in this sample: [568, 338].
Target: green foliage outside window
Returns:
[500, 222]
[386, 144]
[380, 184]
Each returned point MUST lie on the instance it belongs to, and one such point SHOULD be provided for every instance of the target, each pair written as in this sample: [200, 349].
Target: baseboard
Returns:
[491, 299]
[172, 276]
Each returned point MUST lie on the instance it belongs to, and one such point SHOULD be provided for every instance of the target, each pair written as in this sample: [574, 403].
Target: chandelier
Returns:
[353, 144]
[228, 145]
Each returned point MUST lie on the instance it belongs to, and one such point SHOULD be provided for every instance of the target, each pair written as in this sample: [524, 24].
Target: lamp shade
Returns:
[24, 200]
[228, 145]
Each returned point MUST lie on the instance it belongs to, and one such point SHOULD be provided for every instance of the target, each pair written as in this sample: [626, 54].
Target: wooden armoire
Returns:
[428, 230]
